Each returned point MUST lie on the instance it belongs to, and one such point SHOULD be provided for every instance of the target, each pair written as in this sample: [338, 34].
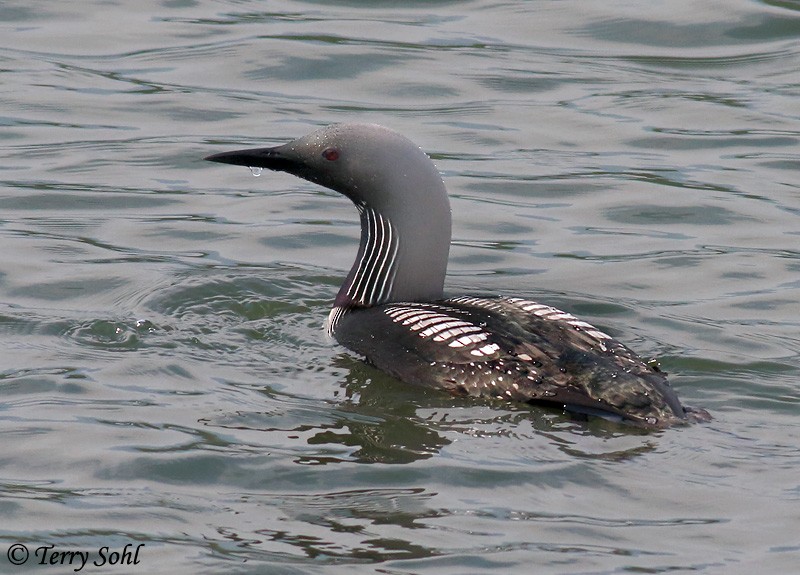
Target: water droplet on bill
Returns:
[256, 171]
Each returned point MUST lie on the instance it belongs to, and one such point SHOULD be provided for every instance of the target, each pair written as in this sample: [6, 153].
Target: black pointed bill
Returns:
[269, 158]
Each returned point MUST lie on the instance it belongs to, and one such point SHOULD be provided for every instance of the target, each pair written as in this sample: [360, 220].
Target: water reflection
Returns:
[357, 517]
[393, 432]
[381, 420]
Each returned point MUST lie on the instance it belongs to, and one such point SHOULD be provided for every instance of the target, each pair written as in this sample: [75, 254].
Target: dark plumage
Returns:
[391, 307]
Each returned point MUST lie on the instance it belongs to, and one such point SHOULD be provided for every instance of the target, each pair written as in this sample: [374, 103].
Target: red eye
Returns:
[331, 154]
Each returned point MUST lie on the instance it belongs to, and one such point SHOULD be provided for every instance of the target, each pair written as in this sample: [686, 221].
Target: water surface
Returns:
[165, 377]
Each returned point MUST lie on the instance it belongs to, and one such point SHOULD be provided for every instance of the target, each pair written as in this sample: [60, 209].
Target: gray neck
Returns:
[400, 258]
[372, 276]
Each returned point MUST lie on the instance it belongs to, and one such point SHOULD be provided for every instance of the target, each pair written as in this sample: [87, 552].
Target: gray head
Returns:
[405, 214]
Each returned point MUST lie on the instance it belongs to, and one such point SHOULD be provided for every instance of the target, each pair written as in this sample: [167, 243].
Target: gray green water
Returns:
[164, 377]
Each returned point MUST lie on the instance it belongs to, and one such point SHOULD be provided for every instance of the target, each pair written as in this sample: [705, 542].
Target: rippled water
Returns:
[165, 379]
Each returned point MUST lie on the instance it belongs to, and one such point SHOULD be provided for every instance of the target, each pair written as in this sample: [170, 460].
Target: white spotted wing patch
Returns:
[431, 322]
[482, 302]
[554, 314]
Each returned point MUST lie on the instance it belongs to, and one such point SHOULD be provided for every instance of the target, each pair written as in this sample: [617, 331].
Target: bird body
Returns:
[391, 307]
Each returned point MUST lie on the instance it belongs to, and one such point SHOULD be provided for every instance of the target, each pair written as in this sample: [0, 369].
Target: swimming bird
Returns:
[391, 308]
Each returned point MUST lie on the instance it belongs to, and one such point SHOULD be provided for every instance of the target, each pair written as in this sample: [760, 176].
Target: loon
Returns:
[392, 310]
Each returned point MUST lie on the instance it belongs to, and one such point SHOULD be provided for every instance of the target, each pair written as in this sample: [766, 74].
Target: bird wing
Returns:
[510, 348]
[550, 332]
